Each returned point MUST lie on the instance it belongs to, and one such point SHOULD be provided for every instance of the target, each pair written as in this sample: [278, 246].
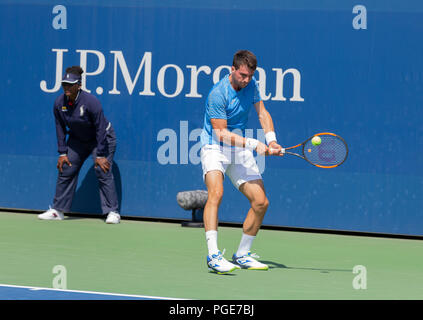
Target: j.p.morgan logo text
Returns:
[186, 81]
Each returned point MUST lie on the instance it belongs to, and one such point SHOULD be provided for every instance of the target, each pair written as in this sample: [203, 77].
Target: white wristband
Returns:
[270, 136]
[251, 144]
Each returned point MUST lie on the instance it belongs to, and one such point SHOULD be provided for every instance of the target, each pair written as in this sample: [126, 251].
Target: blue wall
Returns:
[363, 81]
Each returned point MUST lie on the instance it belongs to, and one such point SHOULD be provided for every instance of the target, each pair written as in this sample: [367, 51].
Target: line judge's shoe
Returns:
[218, 264]
[51, 214]
[249, 262]
[113, 217]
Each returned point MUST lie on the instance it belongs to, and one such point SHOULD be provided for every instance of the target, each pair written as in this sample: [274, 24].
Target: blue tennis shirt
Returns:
[224, 102]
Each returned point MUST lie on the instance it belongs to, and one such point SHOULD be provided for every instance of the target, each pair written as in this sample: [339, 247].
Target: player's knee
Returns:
[101, 175]
[260, 205]
[68, 172]
[98, 171]
[215, 196]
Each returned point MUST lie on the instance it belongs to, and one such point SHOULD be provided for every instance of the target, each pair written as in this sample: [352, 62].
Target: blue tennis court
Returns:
[12, 292]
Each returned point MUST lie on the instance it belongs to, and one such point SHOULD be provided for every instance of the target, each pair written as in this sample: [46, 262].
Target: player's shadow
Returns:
[87, 196]
[275, 265]
[223, 274]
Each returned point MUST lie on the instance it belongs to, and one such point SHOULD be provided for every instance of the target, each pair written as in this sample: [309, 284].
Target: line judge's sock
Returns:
[211, 238]
[245, 244]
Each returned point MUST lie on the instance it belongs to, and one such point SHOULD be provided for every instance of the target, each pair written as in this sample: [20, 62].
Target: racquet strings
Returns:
[331, 152]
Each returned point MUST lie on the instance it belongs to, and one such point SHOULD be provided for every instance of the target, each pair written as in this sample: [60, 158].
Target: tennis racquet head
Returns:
[330, 153]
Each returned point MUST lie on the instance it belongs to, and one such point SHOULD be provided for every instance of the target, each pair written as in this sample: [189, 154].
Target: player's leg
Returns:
[213, 174]
[213, 167]
[108, 194]
[68, 178]
[255, 193]
[245, 175]
[215, 260]
[66, 182]
[214, 184]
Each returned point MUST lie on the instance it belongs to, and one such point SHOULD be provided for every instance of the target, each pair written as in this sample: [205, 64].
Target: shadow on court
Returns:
[275, 265]
[223, 274]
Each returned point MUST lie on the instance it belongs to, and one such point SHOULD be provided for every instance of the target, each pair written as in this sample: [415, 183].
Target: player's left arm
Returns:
[100, 123]
[266, 122]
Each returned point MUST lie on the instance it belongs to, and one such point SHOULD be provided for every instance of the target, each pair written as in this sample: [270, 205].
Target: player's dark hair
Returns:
[245, 57]
[75, 70]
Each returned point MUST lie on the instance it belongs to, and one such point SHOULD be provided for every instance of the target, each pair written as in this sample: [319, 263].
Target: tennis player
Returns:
[79, 115]
[226, 151]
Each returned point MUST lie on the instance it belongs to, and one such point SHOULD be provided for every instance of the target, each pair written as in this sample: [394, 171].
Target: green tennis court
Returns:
[167, 260]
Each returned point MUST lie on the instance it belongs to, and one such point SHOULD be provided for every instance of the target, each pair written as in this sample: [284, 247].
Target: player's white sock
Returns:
[245, 245]
[211, 238]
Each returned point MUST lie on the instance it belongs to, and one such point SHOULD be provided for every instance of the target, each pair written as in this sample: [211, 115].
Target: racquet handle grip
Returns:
[282, 151]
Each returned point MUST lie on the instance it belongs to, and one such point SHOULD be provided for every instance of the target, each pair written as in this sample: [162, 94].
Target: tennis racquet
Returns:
[330, 153]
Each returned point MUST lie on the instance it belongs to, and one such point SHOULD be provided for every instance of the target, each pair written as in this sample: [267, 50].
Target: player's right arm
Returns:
[222, 133]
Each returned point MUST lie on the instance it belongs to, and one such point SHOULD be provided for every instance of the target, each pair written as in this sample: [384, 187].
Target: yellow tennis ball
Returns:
[316, 141]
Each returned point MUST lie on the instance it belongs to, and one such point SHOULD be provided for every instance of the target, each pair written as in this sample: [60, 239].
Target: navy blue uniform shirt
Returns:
[83, 120]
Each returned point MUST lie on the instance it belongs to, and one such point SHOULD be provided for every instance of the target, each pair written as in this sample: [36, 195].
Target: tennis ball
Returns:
[316, 141]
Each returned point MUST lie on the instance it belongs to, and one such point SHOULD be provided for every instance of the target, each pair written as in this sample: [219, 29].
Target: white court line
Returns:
[90, 292]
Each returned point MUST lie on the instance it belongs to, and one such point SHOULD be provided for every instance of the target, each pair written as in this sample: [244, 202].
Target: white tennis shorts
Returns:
[237, 163]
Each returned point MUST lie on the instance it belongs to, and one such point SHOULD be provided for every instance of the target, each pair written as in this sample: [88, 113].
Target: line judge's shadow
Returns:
[87, 196]
[275, 265]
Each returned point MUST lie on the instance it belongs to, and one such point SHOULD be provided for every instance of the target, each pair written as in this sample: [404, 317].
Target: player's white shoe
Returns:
[113, 217]
[51, 214]
[249, 262]
[218, 264]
